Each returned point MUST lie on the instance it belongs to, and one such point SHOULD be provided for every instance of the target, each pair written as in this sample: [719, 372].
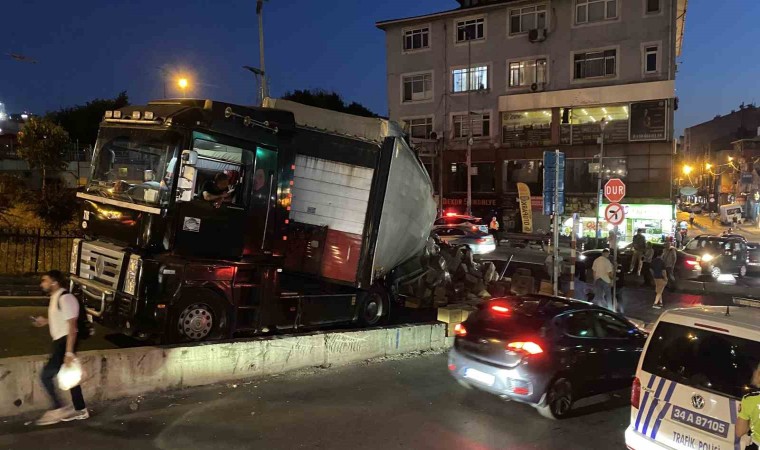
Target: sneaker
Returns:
[76, 414]
[51, 417]
[657, 306]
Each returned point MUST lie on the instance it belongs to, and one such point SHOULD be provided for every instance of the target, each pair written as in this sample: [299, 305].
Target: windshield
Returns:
[134, 165]
[713, 245]
[702, 359]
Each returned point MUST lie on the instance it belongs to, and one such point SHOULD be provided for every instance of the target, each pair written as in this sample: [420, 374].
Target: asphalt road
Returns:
[408, 403]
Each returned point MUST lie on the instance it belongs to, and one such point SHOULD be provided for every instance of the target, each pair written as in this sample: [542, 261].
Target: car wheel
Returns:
[559, 400]
[742, 271]
[715, 272]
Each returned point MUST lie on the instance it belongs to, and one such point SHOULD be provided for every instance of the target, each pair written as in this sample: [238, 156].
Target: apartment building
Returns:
[523, 76]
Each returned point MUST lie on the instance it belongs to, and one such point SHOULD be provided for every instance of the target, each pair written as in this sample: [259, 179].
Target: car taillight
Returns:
[636, 393]
[482, 240]
[692, 262]
[460, 330]
[474, 228]
[529, 347]
[500, 309]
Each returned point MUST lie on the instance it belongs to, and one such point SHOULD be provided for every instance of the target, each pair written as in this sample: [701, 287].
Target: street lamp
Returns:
[182, 83]
[687, 169]
[730, 159]
[708, 166]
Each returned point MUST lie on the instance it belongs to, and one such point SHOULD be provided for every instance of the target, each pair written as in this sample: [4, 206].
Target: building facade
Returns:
[521, 77]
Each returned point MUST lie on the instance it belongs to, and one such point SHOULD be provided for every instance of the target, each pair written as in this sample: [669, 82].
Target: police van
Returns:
[696, 367]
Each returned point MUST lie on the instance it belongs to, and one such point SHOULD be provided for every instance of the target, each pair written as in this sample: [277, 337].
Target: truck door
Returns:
[260, 226]
[215, 227]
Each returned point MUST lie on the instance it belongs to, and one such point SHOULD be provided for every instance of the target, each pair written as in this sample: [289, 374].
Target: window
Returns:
[418, 87]
[588, 11]
[420, 128]
[522, 20]
[525, 73]
[483, 177]
[652, 6]
[651, 54]
[612, 327]
[472, 79]
[481, 125]
[449, 232]
[525, 171]
[595, 64]
[471, 30]
[702, 359]
[417, 39]
[526, 128]
[580, 324]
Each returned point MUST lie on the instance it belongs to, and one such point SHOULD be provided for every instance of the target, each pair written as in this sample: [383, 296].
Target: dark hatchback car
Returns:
[545, 351]
[720, 254]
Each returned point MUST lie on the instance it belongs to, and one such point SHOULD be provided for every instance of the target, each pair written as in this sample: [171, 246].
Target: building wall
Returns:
[708, 138]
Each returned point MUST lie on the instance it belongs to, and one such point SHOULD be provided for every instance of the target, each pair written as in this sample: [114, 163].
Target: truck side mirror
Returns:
[187, 172]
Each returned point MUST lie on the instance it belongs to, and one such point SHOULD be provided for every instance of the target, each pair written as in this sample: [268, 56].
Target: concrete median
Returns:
[113, 374]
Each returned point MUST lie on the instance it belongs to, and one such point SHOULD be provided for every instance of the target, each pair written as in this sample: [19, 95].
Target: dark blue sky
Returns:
[95, 48]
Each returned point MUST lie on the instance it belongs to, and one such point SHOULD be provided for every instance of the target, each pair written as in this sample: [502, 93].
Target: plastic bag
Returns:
[70, 376]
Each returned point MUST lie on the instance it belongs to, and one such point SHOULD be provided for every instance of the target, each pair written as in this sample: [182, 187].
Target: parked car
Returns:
[545, 351]
[451, 219]
[687, 266]
[479, 242]
[753, 261]
[720, 254]
[696, 208]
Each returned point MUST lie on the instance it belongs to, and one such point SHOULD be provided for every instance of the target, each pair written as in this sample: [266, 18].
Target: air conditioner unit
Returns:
[535, 87]
[537, 35]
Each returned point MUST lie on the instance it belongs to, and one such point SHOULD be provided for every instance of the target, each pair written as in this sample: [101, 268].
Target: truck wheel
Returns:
[200, 316]
[373, 308]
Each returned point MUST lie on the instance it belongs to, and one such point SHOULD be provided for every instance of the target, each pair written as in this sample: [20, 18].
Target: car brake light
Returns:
[692, 262]
[531, 348]
[451, 214]
[460, 330]
[474, 228]
[521, 391]
[636, 393]
[482, 240]
[500, 309]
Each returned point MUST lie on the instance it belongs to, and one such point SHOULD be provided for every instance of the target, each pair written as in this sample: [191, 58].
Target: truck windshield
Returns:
[134, 165]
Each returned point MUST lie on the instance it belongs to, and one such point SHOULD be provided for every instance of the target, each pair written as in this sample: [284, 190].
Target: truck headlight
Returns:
[74, 263]
[133, 273]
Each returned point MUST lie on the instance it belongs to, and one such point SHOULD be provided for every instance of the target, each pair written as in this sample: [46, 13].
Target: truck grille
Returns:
[101, 262]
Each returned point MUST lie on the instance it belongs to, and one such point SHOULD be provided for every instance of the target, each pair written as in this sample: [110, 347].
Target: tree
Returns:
[41, 143]
[82, 121]
[327, 100]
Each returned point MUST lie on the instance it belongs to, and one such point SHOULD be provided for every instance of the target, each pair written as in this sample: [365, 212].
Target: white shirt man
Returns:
[603, 274]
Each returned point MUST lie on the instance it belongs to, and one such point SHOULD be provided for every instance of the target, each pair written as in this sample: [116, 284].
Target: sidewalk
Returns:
[703, 225]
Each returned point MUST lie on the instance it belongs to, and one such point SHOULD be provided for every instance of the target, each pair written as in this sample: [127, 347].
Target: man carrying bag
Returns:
[65, 324]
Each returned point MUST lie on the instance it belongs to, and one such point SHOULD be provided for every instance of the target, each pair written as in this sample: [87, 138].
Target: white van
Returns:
[694, 371]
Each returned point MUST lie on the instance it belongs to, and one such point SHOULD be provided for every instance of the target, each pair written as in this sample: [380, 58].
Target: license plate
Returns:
[480, 377]
[699, 421]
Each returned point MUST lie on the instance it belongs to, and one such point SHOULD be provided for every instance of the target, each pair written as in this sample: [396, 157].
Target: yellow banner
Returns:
[523, 195]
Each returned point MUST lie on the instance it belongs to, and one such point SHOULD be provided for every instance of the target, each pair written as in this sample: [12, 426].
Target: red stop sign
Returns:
[614, 190]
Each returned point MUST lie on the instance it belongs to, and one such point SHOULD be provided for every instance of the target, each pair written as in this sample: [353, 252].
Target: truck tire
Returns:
[199, 316]
[374, 307]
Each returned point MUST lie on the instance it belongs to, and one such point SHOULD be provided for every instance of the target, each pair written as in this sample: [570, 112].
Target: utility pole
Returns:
[262, 67]
[469, 120]
[602, 124]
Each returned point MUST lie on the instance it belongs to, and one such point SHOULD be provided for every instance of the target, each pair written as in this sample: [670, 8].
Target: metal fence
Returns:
[35, 250]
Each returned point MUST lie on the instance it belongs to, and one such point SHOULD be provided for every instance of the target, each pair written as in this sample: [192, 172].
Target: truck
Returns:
[324, 216]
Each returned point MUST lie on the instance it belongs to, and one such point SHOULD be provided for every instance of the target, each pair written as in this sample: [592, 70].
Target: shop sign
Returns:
[746, 178]
[648, 121]
[463, 202]
[653, 212]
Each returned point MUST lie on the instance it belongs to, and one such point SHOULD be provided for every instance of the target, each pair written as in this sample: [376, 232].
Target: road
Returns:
[409, 403]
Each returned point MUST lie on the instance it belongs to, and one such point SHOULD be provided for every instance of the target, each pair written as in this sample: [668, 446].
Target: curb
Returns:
[115, 374]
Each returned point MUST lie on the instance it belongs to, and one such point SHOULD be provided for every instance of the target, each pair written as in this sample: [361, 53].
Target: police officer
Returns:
[749, 412]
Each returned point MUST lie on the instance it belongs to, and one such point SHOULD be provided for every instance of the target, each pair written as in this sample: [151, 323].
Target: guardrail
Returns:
[35, 250]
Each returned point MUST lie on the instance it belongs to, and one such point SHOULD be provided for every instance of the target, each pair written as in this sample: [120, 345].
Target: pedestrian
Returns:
[62, 320]
[646, 262]
[748, 419]
[493, 228]
[735, 221]
[603, 276]
[712, 218]
[660, 276]
[669, 257]
[678, 238]
[691, 218]
[639, 246]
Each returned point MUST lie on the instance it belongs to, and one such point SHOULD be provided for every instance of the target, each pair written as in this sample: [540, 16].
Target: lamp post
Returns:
[183, 83]
[602, 125]
[260, 14]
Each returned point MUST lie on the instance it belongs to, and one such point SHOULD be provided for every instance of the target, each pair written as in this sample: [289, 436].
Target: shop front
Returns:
[657, 221]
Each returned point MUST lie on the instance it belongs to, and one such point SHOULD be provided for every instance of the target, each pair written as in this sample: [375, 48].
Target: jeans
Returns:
[50, 371]
[603, 293]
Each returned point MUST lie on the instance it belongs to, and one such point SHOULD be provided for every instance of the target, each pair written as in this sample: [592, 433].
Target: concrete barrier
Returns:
[113, 374]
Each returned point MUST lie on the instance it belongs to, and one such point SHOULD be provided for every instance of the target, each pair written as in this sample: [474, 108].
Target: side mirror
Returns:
[187, 172]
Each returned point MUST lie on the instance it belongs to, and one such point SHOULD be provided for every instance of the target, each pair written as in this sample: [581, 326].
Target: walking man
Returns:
[63, 313]
[639, 246]
[669, 257]
[603, 276]
[660, 276]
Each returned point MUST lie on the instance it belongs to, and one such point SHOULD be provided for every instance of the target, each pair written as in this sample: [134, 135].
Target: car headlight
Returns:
[582, 258]
[74, 263]
[133, 273]
[707, 257]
